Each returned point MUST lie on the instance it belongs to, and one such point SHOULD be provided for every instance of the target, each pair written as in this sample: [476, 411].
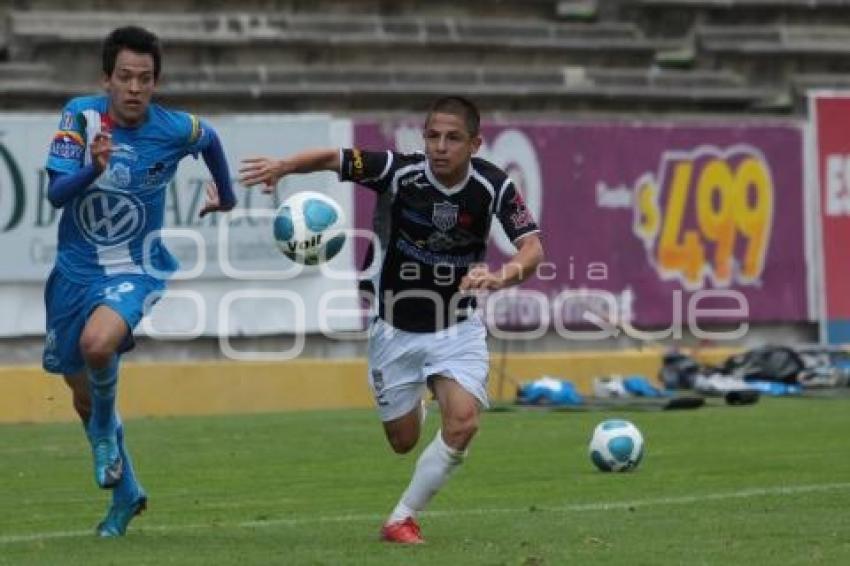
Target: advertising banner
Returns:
[830, 112]
[647, 222]
[220, 255]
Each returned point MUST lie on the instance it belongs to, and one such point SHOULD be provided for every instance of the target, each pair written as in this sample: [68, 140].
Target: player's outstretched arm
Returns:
[268, 171]
[519, 268]
[220, 196]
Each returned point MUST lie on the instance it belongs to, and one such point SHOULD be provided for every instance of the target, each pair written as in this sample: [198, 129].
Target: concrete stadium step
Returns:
[584, 82]
[44, 27]
[775, 39]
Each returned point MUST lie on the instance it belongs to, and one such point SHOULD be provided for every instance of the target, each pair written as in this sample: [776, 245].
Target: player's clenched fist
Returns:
[101, 149]
[481, 278]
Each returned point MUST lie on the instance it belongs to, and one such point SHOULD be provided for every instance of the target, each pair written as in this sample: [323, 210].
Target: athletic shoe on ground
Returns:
[119, 516]
[403, 532]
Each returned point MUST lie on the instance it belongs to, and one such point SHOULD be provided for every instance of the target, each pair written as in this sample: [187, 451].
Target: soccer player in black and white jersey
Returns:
[427, 332]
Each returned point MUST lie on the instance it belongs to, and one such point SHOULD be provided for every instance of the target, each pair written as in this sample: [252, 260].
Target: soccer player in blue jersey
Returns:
[109, 164]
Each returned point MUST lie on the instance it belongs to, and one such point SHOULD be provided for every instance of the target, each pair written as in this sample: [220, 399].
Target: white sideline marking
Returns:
[573, 508]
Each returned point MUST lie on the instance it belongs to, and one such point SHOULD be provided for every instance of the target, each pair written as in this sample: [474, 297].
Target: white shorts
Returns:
[400, 363]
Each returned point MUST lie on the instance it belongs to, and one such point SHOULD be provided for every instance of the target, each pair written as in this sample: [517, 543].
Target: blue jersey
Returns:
[113, 226]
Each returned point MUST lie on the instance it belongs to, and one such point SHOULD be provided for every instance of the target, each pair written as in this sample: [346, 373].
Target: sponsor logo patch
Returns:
[67, 145]
[67, 121]
[358, 169]
[110, 218]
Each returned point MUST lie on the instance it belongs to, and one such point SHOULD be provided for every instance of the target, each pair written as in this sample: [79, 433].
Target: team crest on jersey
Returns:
[444, 216]
[117, 177]
[110, 218]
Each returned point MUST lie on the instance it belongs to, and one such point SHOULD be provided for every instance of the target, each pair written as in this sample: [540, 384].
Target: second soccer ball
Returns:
[616, 446]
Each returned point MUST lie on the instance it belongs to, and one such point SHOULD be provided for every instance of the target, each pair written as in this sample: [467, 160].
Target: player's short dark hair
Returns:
[458, 106]
[136, 39]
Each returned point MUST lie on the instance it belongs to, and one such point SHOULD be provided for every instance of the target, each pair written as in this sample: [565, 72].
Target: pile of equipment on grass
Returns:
[684, 383]
[770, 370]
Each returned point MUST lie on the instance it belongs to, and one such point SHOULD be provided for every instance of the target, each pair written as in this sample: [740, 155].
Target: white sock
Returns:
[435, 465]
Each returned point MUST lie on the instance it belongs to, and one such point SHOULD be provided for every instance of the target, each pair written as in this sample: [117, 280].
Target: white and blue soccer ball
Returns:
[309, 228]
[616, 446]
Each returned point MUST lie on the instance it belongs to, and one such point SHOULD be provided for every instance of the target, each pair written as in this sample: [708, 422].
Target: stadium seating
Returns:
[566, 81]
[662, 55]
[40, 28]
[763, 4]
[24, 76]
[776, 40]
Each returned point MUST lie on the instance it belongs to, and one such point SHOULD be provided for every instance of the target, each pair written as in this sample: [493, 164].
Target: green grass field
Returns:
[768, 484]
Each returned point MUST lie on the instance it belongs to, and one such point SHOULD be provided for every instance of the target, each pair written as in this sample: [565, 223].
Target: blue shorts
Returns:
[69, 305]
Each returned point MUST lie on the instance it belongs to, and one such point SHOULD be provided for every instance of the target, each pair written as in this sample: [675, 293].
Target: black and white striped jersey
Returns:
[434, 233]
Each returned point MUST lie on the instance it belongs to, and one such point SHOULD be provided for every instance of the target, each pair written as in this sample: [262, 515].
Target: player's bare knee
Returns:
[96, 349]
[402, 442]
[459, 429]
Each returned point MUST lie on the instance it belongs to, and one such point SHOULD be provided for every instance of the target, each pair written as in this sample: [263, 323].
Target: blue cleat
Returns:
[119, 516]
[108, 466]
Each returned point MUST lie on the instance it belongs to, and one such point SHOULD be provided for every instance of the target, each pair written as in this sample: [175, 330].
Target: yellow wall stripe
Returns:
[28, 394]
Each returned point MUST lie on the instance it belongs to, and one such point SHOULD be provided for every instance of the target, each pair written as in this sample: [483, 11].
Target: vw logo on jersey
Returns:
[108, 218]
[445, 215]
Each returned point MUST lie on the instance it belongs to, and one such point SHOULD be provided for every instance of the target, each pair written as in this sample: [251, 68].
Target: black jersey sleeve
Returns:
[368, 168]
[513, 213]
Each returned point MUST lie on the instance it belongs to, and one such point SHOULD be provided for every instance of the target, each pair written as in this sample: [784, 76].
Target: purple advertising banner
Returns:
[646, 221]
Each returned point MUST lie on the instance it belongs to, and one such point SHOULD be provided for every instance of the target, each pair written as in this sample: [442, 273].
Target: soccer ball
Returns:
[309, 228]
[616, 446]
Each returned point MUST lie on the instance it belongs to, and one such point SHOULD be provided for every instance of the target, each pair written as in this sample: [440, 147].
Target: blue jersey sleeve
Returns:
[194, 137]
[68, 146]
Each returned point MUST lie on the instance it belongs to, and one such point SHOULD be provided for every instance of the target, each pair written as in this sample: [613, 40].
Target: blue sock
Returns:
[104, 384]
[128, 488]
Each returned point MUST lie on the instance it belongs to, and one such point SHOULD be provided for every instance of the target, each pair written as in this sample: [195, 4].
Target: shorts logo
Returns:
[445, 215]
[50, 360]
[110, 218]
[378, 384]
[50, 340]
[378, 379]
[113, 292]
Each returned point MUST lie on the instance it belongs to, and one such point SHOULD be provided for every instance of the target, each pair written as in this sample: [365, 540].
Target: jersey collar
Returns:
[441, 187]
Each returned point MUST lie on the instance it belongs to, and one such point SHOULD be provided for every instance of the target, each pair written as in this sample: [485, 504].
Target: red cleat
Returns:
[402, 532]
